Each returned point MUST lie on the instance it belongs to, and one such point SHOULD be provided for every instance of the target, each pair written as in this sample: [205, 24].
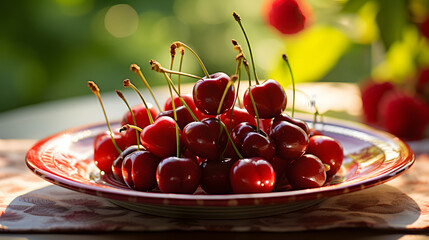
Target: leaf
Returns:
[311, 54]
[353, 6]
[391, 20]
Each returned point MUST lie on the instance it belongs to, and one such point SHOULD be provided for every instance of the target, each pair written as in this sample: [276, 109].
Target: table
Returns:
[412, 191]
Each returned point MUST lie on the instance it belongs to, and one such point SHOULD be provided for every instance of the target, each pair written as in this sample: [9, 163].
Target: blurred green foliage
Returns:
[50, 49]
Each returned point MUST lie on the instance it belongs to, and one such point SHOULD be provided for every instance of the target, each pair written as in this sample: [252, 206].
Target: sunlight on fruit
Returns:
[121, 20]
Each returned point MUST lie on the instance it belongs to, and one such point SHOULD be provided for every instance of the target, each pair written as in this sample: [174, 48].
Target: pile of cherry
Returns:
[215, 140]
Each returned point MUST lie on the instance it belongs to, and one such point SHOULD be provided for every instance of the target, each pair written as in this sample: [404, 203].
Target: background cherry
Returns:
[178, 175]
[142, 120]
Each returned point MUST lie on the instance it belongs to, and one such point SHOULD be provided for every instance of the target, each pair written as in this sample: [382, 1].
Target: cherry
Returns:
[188, 99]
[208, 92]
[298, 122]
[139, 170]
[183, 116]
[178, 175]
[160, 137]
[215, 176]
[239, 115]
[117, 164]
[142, 120]
[328, 150]
[269, 97]
[424, 28]
[372, 93]
[257, 144]
[105, 151]
[205, 139]
[279, 165]
[288, 16]
[307, 171]
[252, 175]
[314, 132]
[291, 141]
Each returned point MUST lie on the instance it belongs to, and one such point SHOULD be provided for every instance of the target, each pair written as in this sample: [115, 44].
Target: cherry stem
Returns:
[156, 66]
[127, 83]
[239, 58]
[230, 140]
[182, 52]
[238, 19]
[255, 109]
[94, 88]
[312, 104]
[173, 105]
[180, 44]
[285, 58]
[327, 167]
[121, 95]
[136, 69]
[128, 126]
[170, 83]
[222, 99]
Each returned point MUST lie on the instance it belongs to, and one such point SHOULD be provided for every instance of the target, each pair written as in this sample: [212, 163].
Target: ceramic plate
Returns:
[372, 157]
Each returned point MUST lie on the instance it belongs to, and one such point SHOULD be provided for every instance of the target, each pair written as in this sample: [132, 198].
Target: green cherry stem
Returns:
[94, 88]
[173, 106]
[136, 69]
[230, 140]
[170, 83]
[182, 53]
[285, 58]
[238, 19]
[127, 83]
[156, 66]
[121, 95]
[180, 44]
[128, 126]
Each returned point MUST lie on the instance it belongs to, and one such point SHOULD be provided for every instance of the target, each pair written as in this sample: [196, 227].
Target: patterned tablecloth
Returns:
[30, 204]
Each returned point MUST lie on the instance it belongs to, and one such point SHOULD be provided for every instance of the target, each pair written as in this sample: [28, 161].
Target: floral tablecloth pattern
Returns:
[30, 204]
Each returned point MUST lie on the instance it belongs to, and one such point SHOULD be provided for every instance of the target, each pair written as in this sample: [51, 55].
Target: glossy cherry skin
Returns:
[298, 122]
[270, 99]
[328, 150]
[207, 94]
[189, 100]
[206, 138]
[105, 152]
[280, 166]
[239, 115]
[183, 116]
[258, 144]
[160, 137]
[291, 141]
[314, 132]
[306, 172]
[117, 164]
[215, 176]
[178, 175]
[252, 175]
[139, 170]
[142, 119]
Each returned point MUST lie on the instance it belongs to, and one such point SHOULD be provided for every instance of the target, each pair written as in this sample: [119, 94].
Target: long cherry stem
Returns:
[230, 140]
[238, 19]
[285, 58]
[127, 83]
[180, 44]
[136, 69]
[173, 105]
[258, 127]
[94, 88]
[121, 95]
[156, 66]
[229, 84]
[182, 53]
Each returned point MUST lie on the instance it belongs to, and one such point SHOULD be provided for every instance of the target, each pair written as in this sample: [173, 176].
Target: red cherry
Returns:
[404, 116]
[252, 175]
[142, 120]
[208, 93]
[424, 28]
[291, 141]
[160, 137]
[279, 165]
[183, 116]
[306, 172]
[117, 164]
[178, 175]
[206, 138]
[257, 144]
[189, 100]
[314, 132]
[105, 152]
[372, 93]
[239, 115]
[422, 87]
[215, 176]
[139, 170]
[298, 122]
[288, 16]
[328, 150]
[269, 97]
